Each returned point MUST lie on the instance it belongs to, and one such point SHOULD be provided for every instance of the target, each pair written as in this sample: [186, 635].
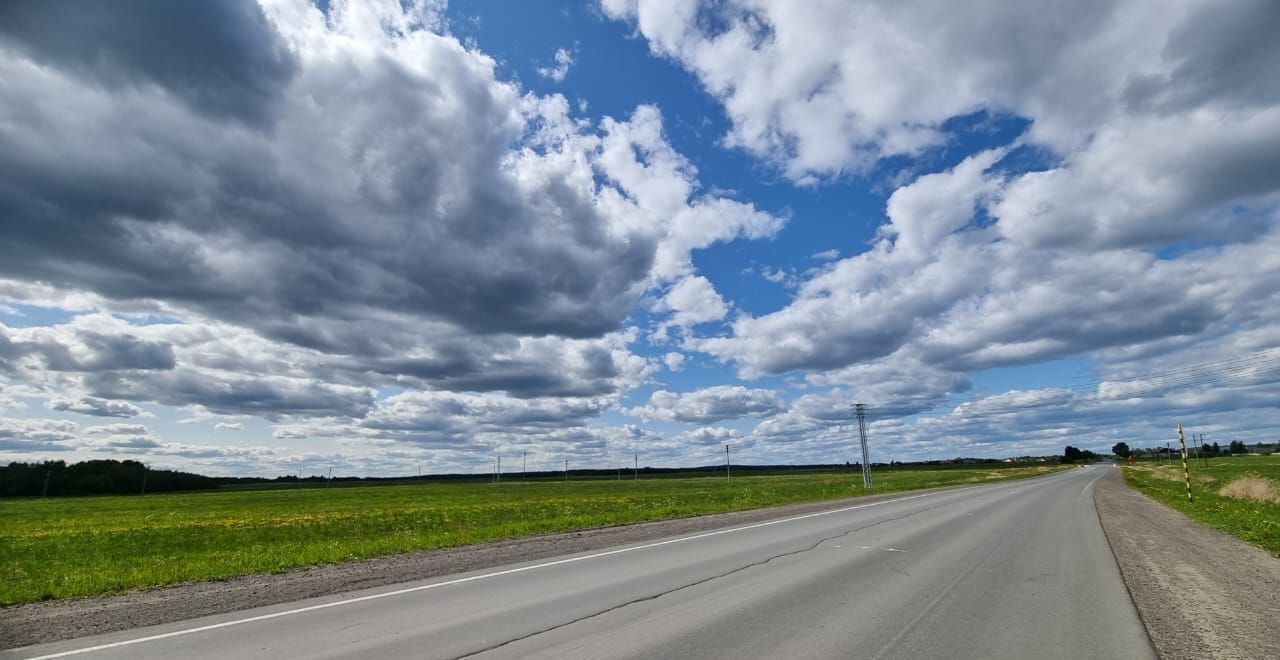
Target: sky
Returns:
[381, 237]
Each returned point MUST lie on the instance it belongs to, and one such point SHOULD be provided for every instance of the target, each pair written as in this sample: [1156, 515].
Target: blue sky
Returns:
[382, 236]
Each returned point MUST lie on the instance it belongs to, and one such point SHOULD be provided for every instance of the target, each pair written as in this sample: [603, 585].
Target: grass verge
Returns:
[83, 546]
[1251, 520]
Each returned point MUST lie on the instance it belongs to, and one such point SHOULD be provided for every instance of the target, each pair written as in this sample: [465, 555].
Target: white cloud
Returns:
[935, 205]
[229, 426]
[15, 432]
[673, 360]
[1150, 146]
[711, 404]
[833, 86]
[563, 60]
[693, 300]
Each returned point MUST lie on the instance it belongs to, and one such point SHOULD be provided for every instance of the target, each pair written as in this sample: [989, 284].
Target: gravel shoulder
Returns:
[36, 623]
[1200, 593]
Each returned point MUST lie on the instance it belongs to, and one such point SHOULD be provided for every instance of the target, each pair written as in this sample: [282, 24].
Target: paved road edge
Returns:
[38, 623]
[1200, 593]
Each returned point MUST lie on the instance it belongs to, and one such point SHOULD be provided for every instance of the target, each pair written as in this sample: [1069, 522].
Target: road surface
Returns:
[1010, 570]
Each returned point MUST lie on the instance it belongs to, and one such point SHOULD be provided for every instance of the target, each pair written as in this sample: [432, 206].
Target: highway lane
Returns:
[1009, 570]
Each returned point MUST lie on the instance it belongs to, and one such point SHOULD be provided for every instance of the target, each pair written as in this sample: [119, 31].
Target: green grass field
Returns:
[1254, 522]
[69, 547]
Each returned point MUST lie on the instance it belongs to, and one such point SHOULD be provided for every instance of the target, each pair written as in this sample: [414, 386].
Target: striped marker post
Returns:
[1186, 473]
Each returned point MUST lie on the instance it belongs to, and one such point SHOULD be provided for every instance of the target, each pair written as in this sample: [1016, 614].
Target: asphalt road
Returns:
[1011, 570]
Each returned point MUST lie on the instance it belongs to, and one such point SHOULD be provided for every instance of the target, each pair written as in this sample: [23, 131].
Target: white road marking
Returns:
[484, 576]
[1095, 480]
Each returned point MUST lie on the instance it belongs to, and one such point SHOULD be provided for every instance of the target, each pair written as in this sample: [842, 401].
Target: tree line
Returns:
[1074, 455]
[96, 477]
[1122, 449]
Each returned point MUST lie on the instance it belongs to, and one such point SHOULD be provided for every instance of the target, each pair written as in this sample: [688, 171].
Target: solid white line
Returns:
[1095, 480]
[473, 578]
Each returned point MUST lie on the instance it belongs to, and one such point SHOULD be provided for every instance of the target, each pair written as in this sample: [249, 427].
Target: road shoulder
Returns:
[1200, 593]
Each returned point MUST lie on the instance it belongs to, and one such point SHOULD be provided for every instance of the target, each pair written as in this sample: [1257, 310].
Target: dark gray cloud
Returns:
[233, 394]
[405, 218]
[89, 405]
[79, 348]
[222, 58]
[1223, 52]
[386, 186]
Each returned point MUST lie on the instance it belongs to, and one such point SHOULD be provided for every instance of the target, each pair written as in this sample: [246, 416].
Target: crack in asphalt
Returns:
[705, 580]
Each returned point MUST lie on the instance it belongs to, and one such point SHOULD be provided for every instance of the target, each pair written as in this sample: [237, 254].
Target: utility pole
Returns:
[860, 410]
[636, 470]
[566, 469]
[330, 479]
[726, 462]
[524, 465]
[497, 476]
[144, 479]
[45, 493]
[619, 473]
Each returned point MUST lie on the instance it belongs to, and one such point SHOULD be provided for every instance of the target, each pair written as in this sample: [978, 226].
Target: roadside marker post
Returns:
[726, 462]
[1186, 473]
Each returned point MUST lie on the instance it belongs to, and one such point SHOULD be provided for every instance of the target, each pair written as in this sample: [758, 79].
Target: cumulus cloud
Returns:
[563, 60]
[91, 405]
[984, 264]
[454, 419]
[711, 404]
[229, 426]
[36, 430]
[693, 300]
[835, 86]
[978, 304]
[368, 189]
[708, 435]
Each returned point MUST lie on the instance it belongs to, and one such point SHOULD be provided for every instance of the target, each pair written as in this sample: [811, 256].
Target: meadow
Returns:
[1256, 522]
[83, 546]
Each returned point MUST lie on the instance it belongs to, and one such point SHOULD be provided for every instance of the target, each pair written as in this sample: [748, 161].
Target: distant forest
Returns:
[99, 477]
[111, 477]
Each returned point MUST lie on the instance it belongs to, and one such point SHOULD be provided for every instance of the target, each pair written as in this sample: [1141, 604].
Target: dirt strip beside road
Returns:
[1201, 594]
